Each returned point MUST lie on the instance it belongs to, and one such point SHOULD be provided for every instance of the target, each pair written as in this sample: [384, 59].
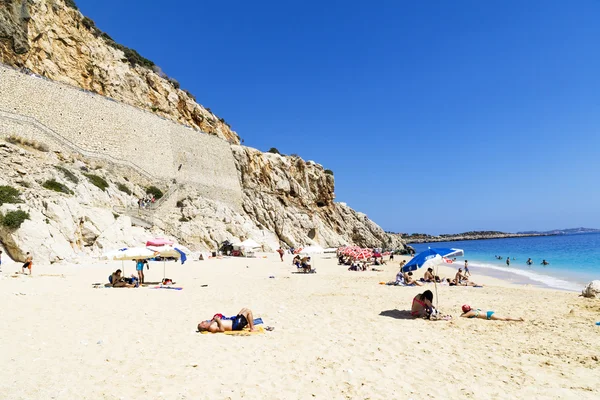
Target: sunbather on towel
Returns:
[220, 323]
[468, 312]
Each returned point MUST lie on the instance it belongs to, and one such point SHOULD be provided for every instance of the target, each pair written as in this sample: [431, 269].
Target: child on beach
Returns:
[467, 272]
[28, 264]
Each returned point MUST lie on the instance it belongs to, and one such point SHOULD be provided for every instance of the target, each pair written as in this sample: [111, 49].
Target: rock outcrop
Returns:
[592, 290]
[56, 41]
[295, 199]
[52, 156]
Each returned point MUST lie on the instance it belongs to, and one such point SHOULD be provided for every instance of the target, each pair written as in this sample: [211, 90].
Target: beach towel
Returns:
[167, 287]
[260, 330]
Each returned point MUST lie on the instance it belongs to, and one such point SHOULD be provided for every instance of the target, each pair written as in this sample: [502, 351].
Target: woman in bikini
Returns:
[422, 305]
[468, 312]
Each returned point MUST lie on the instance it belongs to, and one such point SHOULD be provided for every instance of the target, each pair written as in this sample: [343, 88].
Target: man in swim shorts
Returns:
[468, 312]
[139, 267]
[28, 263]
[220, 323]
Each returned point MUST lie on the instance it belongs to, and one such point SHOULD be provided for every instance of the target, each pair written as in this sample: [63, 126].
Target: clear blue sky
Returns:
[435, 117]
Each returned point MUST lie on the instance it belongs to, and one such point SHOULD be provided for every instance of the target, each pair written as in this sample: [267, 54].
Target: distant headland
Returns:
[481, 235]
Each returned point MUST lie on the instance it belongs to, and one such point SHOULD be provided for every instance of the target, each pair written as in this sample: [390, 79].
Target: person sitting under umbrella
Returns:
[468, 312]
[221, 323]
[429, 277]
[116, 280]
[409, 280]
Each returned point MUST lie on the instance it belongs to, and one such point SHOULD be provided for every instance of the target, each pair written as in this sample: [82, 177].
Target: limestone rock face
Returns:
[61, 226]
[592, 290]
[286, 201]
[295, 200]
[56, 41]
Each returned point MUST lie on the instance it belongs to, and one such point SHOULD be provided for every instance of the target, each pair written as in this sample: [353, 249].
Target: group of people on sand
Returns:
[117, 280]
[355, 264]
[422, 307]
[406, 278]
[303, 264]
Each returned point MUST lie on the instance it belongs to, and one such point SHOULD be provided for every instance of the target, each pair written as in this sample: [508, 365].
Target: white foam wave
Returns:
[547, 280]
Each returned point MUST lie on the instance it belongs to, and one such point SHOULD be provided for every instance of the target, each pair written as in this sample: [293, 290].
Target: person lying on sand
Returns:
[464, 283]
[116, 280]
[220, 323]
[409, 280]
[468, 312]
[422, 305]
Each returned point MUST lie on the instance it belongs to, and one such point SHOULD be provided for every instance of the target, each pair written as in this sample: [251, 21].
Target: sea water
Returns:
[574, 259]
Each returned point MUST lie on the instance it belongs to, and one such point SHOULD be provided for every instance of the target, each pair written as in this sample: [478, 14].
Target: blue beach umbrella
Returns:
[431, 255]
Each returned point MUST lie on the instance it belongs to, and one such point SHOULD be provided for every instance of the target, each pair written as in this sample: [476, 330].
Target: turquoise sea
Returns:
[574, 259]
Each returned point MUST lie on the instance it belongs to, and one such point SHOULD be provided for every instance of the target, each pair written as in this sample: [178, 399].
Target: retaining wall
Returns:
[40, 109]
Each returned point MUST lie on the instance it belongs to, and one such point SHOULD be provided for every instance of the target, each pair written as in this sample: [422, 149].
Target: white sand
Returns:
[337, 336]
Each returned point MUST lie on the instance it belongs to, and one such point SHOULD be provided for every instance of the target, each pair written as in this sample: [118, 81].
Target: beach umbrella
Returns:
[168, 251]
[312, 250]
[131, 253]
[432, 256]
[159, 242]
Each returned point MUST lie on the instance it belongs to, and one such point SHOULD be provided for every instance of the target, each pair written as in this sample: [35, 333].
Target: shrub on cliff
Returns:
[68, 174]
[154, 191]
[89, 24]
[13, 219]
[190, 95]
[29, 143]
[97, 181]
[71, 4]
[123, 188]
[329, 172]
[9, 195]
[274, 150]
[174, 82]
[51, 184]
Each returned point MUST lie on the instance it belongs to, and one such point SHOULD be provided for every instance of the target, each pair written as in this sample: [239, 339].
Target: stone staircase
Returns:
[143, 217]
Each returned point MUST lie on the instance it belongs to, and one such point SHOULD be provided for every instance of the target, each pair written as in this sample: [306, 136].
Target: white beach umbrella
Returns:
[132, 253]
[315, 249]
[166, 251]
[249, 243]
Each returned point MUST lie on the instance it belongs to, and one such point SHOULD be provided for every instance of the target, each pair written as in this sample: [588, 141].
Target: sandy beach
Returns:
[338, 335]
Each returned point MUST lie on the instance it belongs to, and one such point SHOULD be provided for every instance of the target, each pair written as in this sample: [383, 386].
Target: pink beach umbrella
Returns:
[159, 242]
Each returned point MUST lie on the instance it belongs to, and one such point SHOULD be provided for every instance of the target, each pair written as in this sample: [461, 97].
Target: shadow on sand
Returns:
[397, 314]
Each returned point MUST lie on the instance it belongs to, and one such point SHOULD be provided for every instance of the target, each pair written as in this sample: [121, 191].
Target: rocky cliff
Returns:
[294, 199]
[52, 39]
[80, 200]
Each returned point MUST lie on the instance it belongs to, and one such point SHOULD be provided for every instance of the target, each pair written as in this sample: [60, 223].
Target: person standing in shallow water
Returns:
[467, 272]
[508, 261]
